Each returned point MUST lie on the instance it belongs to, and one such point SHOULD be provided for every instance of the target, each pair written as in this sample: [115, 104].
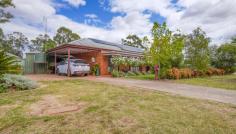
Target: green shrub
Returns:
[115, 73]
[17, 82]
[143, 73]
[121, 74]
[130, 73]
[3, 88]
[137, 73]
[149, 72]
[9, 64]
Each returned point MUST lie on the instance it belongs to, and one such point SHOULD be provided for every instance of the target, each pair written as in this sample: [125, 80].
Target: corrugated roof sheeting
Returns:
[90, 42]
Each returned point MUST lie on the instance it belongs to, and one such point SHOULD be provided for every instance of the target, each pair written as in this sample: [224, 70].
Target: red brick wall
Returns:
[99, 59]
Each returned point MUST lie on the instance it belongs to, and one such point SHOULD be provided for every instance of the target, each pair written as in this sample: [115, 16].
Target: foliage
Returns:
[115, 73]
[2, 40]
[213, 55]
[134, 41]
[233, 40]
[197, 52]
[126, 61]
[49, 44]
[5, 16]
[94, 69]
[184, 73]
[166, 48]
[18, 82]
[130, 73]
[65, 35]
[226, 57]
[3, 87]
[8, 63]
[118, 60]
[16, 43]
[122, 74]
[42, 43]
[137, 73]
[177, 46]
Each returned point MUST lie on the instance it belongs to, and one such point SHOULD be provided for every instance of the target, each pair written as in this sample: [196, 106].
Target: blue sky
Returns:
[100, 10]
[113, 20]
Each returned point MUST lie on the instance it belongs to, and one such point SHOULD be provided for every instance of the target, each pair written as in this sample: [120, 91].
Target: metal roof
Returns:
[95, 43]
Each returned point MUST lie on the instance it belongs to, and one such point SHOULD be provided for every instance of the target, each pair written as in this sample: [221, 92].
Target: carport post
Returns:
[55, 61]
[68, 70]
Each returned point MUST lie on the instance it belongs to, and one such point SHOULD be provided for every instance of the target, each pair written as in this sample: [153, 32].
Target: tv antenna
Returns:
[45, 22]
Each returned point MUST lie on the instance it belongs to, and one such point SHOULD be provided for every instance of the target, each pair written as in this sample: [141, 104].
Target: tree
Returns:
[65, 35]
[5, 16]
[2, 40]
[166, 49]
[213, 55]
[38, 42]
[42, 43]
[146, 42]
[226, 57]
[8, 63]
[48, 45]
[177, 46]
[197, 52]
[161, 47]
[233, 40]
[17, 43]
[134, 41]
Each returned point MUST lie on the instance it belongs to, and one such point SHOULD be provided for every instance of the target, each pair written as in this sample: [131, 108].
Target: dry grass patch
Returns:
[77, 106]
[50, 105]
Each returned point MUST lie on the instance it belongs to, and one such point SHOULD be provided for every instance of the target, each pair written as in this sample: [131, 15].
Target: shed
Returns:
[35, 63]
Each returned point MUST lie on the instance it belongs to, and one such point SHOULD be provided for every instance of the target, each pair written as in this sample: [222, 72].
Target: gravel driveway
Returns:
[215, 94]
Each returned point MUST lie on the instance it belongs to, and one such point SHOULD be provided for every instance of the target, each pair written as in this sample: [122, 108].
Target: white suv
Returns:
[77, 67]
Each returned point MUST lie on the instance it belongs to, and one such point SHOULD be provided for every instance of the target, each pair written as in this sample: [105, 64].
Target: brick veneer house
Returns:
[95, 51]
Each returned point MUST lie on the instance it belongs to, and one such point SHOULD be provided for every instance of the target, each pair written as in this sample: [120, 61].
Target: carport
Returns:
[69, 51]
[94, 52]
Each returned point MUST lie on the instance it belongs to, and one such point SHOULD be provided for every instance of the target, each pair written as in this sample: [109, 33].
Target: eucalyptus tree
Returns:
[226, 57]
[42, 43]
[134, 41]
[4, 15]
[17, 43]
[65, 35]
[197, 50]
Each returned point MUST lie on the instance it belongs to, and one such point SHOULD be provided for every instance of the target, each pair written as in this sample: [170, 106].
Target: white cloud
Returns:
[92, 19]
[132, 23]
[76, 3]
[216, 17]
[92, 16]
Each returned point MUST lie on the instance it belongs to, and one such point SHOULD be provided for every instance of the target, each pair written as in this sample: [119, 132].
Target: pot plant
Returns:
[96, 70]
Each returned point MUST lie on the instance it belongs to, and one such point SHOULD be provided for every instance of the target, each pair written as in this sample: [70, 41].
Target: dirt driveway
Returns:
[220, 95]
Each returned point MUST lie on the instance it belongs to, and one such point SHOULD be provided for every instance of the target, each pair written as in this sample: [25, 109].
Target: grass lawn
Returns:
[226, 81]
[112, 109]
[143, 77]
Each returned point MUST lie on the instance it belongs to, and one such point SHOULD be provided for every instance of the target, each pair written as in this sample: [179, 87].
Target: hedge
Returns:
[184, 73]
